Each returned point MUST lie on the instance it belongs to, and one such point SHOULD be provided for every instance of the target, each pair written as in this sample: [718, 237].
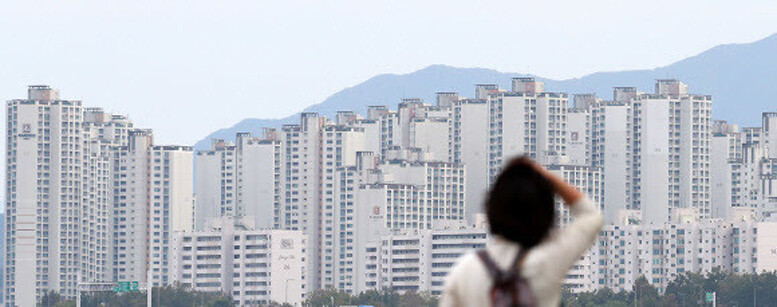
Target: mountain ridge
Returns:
[736, 75]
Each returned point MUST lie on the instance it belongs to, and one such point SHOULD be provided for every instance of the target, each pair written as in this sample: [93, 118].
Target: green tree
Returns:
[50, 298]
[687, 289]
[165, 296]
[646, 294]
[325, 297]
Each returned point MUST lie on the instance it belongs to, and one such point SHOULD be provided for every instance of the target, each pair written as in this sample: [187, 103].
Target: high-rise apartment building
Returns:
[671, 151]
[578, 136]
[374, 198]
[216, 183]
[44, 182]
[153, 197]
[526, 120]
[726, 149]
[340, 145]
[470, 147]
[103, 133]
[90, 199]
[239, 180]
[311, 153]
[301, 190]
[611, 152]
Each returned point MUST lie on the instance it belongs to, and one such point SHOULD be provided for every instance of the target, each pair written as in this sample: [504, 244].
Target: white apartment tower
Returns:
[311, 153]
[340, 145]
[300, 191]
[153, 197]
[510, 127]
[578, 136]
[671, 153]
[80, 184]
[103, 133]
[470, 146]
[44, 182]
[241, 179]
[611, 152]
[726, 165]
[446, 99]
[216, 185]
[526, 120]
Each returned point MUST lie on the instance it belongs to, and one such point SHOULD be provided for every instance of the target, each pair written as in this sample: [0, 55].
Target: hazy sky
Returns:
[186, 68]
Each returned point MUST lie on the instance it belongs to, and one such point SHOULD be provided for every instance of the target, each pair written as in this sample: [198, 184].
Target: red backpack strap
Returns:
[504, 291]
[518, 261]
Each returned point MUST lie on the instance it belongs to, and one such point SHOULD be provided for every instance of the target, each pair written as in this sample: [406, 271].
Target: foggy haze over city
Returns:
[364, 153]
[271, 59]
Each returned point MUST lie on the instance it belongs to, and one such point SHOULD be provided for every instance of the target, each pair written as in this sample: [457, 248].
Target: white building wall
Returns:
[340, 147]
[578, 136]
[131, 208]
[209, 185]
[470, 139]
[254, 267]
[369, 227]
[651, 167]
[551, 121]
[301, 188]
[766, 249]
[432, 136]
[610, 147]
[258, 177]
[170, 206]
[722, 164]
[511, 132]
[43, 196]
[372, 134]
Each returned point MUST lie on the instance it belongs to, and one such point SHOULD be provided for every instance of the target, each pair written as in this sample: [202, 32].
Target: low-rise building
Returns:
[254, 267]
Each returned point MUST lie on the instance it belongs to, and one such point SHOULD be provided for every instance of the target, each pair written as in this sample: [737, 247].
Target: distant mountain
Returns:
[740, 77]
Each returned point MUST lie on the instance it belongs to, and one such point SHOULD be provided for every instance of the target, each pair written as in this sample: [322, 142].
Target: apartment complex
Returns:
[349, 182]
[89, 198]
[660, 253]
[419, 260]
[384, 200]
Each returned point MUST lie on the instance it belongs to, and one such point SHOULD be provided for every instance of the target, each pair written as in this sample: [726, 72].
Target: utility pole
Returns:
[714, 299]
[149, 288]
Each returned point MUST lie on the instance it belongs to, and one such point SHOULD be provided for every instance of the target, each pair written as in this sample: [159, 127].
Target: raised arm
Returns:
[566, 246]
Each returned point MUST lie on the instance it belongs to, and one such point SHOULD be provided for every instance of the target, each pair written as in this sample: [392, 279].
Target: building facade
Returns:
[254, 267]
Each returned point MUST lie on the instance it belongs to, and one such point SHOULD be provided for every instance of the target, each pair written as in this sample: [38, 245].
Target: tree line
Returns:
[688, 289]
[161, 296]
[178, 296]
[377, 298]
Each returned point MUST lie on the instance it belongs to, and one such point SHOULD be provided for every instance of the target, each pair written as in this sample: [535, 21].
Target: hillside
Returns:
[740, 78]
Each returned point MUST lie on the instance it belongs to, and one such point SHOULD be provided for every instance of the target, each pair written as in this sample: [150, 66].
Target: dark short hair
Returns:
[521, 206]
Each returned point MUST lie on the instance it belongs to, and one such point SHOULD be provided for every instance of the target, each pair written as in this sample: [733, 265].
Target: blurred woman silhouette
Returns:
[526, 263]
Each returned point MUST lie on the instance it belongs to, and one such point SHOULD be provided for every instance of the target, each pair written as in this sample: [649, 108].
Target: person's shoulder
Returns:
[465, 265]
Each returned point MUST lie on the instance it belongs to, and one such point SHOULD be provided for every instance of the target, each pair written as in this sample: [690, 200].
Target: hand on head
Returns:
[569, 193]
